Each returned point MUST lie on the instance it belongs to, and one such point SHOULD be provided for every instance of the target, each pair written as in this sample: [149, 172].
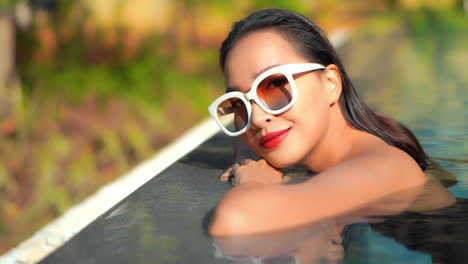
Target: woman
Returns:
[293, 104]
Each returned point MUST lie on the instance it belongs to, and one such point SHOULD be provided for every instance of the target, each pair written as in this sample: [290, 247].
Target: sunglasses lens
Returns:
[275, 91]
[233, 114]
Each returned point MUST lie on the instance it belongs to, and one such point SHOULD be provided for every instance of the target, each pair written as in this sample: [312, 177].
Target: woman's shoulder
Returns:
[394, 157]
[395, 166]
[386, 161]
[370, 147]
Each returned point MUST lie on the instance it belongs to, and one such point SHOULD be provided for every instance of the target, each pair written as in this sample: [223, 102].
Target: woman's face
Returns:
[301, 129]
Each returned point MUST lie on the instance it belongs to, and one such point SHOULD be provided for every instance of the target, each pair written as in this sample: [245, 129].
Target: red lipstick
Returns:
[273, 139]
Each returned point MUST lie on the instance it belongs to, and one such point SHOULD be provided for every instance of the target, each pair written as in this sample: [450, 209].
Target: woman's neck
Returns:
[339, 142]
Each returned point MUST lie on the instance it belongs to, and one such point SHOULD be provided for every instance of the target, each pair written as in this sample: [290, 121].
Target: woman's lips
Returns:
[273, 139]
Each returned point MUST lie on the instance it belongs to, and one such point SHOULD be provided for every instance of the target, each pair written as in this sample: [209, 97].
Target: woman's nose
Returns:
[260, 118]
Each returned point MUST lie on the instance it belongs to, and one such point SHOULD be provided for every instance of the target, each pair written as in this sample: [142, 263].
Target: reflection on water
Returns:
[441, 233]
[405, 227]
[314, 243]
[413, 68]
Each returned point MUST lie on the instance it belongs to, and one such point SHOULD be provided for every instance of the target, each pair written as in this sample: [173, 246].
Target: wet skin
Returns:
[354, 168]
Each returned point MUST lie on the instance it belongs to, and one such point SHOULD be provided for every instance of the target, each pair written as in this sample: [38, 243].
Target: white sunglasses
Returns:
[274, 91]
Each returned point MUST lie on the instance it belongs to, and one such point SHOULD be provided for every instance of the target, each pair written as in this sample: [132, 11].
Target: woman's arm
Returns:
[255, 207]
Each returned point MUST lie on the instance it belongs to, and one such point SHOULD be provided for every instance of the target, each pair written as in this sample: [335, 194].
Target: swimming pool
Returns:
[410, 66]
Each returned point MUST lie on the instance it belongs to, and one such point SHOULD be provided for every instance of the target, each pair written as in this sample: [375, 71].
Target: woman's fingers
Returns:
[249, 170]
[235, 178]
[230, 172]
[225, 175]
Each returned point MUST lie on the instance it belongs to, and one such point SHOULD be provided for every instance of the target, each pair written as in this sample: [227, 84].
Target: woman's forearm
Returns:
[256, 208]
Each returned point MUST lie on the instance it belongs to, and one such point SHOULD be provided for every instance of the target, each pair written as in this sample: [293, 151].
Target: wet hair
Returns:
[312, 43]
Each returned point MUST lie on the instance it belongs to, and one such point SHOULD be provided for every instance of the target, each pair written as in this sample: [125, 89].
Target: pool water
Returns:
[413, 67]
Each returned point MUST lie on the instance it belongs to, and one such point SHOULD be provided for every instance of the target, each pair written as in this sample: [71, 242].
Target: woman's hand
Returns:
[241, 152]
[251, 171]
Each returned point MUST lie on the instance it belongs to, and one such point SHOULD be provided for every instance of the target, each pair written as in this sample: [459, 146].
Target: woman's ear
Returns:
[332, 80]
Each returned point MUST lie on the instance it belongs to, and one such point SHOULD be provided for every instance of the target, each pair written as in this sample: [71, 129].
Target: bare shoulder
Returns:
[397, 164]
[406, 173]
[402, 165]
[392, 158]
[385, 166]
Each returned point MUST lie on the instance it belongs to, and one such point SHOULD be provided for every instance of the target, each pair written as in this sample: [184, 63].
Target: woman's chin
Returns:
[280, 163]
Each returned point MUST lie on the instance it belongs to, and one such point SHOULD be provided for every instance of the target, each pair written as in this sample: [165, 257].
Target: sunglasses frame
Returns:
[288, 70]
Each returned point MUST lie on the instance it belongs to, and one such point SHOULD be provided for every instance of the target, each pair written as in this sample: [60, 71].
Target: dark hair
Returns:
[312, 43]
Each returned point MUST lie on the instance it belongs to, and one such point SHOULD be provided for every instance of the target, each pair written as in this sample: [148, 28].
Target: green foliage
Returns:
[9, 3]
[3, 176]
